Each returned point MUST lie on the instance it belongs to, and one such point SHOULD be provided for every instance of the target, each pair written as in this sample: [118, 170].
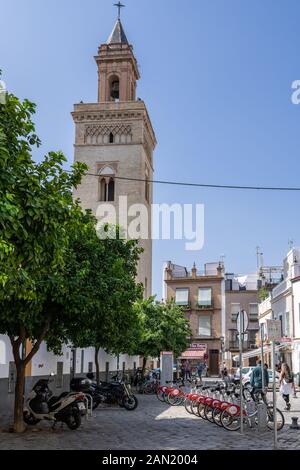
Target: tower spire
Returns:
[118, 35]
[119, 5]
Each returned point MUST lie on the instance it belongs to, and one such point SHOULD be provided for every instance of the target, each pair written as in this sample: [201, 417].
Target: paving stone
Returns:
[153, 425]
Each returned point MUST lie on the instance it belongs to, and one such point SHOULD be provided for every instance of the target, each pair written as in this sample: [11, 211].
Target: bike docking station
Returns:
[256, 414]
[166, 367]
[242, 323]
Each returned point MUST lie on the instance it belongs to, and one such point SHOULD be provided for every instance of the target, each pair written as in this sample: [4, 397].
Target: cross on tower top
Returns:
[119, 5]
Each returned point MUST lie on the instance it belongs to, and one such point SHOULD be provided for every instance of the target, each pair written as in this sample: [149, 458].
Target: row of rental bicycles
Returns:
[220, 405]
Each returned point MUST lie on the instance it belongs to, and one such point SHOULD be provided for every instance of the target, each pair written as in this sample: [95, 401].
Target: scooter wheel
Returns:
[130, 403]
[73, 421]
[30, 419]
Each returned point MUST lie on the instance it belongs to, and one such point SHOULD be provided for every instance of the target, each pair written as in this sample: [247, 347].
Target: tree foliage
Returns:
[162, 327]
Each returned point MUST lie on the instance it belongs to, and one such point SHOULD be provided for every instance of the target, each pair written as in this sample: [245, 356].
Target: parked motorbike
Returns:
[110, 393]
[42, 405]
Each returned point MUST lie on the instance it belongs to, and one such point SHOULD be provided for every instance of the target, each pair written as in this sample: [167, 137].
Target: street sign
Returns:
[286, 340]
[273, 330]
[199, 346]
[242, 322]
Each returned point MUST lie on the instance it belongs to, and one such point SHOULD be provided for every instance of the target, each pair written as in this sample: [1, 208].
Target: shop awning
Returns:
[257, 352]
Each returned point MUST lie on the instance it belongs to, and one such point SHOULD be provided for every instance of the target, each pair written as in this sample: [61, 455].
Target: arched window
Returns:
[111, 190]
[103, 190]
[106, 185]
[114, 89]
[111, 138]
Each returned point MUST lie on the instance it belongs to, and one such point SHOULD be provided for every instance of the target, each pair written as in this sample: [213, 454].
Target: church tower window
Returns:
[107, 190]
[114, 89]
[106, 185]
[111, 190]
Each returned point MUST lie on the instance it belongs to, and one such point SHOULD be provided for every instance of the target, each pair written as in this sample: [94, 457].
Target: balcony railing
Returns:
[185, 305]
[205, 307]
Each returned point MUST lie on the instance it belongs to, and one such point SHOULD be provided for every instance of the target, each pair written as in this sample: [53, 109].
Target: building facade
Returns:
[283, 304]
[241, 293]
[201, 295]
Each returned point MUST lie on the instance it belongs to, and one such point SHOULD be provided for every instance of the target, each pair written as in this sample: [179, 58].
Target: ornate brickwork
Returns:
[100, 134]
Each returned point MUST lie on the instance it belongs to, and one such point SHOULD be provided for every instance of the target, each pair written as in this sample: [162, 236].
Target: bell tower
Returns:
[117, 68]
[115, 138]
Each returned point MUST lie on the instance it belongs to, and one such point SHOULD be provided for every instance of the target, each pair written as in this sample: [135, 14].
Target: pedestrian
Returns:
[187, 374]
[222, 368]
[256, 380]
[200, 371]
[287, 386]
[182, 369]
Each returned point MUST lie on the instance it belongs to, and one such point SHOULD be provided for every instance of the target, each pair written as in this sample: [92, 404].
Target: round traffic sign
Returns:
[242, 322]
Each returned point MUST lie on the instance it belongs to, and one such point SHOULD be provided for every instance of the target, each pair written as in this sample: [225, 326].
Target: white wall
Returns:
[6, 356]
[45, 362]
[296, 293]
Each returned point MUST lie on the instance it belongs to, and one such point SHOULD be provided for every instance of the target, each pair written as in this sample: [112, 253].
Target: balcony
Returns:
[205, 307]
[184, 306]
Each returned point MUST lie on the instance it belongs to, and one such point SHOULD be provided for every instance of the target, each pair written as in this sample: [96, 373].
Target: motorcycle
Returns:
[42, 405]
[110, 393]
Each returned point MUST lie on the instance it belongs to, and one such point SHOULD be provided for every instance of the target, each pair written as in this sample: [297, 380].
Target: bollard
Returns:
[262, 417]
[294, 424]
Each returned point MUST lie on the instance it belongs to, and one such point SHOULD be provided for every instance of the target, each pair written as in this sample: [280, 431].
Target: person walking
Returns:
[187, 371]
[200, 371]
[286, 382]
[256, 380]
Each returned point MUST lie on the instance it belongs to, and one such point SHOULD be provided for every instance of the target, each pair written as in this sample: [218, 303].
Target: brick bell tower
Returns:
[115, 138]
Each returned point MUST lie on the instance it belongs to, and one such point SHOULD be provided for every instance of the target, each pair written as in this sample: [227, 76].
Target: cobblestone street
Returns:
[153, 425]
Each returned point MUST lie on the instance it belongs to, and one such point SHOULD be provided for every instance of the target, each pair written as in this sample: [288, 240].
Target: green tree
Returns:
[161, 327]
[37, 216]
[113, 319]
[263, 294]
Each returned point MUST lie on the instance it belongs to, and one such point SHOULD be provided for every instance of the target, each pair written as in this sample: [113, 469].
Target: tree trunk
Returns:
[97, 349]
[19, 425]
[21, 364]
[144, 366]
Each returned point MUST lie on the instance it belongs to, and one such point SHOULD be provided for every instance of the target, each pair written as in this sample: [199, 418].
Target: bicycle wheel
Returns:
[208, 412]
[173, 400]
[200, 410]
[280, 418]
[161, 395]
[187, 405]
[217, 417]
[229, 422]
[148, 389]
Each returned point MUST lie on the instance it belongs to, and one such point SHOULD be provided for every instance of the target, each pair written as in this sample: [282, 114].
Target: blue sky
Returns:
[216, 77]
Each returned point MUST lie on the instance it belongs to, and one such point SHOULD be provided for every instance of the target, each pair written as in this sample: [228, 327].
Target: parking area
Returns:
[153, 425]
